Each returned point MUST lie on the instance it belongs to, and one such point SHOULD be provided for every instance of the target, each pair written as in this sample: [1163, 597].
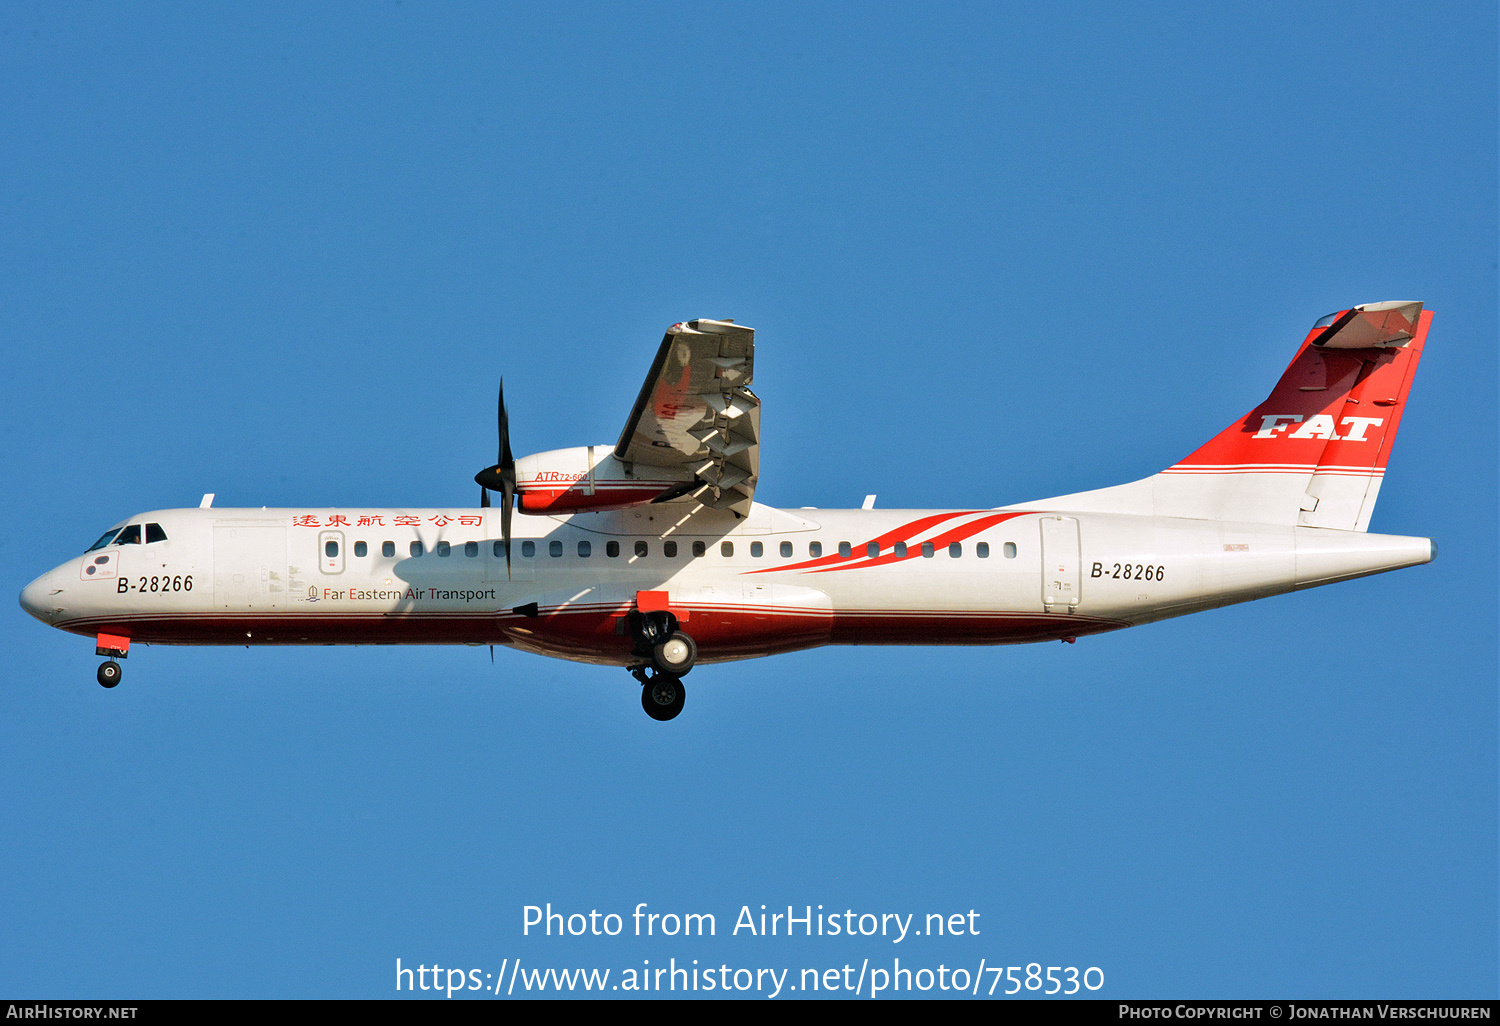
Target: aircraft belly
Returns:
[908, 606]
[728, 618]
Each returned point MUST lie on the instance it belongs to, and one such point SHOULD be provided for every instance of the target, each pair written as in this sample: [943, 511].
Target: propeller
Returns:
[501, 477]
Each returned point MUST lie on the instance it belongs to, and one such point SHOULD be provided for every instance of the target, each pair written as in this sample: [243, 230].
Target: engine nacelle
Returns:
[591, 477]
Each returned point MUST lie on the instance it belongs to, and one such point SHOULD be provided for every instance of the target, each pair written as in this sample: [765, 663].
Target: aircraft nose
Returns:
[36, 597]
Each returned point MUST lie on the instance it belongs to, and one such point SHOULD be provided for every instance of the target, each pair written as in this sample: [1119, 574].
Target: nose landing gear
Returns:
[114, 647]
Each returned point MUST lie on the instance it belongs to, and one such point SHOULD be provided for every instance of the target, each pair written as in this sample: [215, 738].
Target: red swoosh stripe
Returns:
[956, 534]
[901, 533]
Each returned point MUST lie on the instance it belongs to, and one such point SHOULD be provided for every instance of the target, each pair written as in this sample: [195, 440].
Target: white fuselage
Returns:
[775, 581]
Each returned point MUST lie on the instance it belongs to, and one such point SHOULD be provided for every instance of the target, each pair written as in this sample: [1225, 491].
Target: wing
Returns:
[696, 413]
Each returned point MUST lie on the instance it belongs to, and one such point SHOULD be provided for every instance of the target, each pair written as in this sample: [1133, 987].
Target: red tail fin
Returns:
[1331, 418]
[1313, 454]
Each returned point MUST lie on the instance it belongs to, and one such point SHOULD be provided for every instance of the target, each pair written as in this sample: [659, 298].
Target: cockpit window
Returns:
[107, 537]
[130, 536]
[154, 533]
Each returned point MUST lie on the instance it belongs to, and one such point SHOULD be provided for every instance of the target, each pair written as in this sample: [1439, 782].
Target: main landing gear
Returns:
[109, 673]
[662, 694]
[670, 654]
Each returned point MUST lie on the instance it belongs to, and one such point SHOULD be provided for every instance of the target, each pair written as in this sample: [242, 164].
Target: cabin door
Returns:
[250, 568]
[1061, 566]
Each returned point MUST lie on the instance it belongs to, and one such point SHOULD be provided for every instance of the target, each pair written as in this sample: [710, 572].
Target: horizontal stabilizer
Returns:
[1372, 326]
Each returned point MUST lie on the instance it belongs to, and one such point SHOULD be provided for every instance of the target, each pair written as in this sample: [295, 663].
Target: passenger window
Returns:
[669, 549]
[554, 548]
[154, 533]
[845, 550]
[585, 549]
[982, 550]
[388, 548]
[331, 548]
[726, 549]
[528, 549]
[611, 549]
[361, 549]
[815, 549]
[1010, 550]
[901, 550]
[641, 549]
[130, 536]
[955, 550]
[471, 548]
[786, 550]
[872, 550]
[699, 548]
[757, 549]
[415, 548]
[927, 550]
[499, 549]
[444, 549]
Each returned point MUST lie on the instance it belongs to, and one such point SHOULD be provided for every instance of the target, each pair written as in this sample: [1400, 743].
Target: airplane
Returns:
[653, 555]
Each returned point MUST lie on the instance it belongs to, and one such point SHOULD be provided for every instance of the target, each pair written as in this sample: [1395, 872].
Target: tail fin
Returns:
[1314, 453]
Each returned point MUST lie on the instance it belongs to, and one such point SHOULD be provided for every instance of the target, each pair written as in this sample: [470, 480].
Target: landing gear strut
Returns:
[657, 639]
[662, 694]
[667, 655]
[112, 647]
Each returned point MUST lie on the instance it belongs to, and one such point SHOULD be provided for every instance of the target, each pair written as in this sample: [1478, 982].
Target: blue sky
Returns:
[992, 254]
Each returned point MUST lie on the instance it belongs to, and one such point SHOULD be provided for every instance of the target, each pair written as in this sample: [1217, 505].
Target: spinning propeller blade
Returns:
[501, 477]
